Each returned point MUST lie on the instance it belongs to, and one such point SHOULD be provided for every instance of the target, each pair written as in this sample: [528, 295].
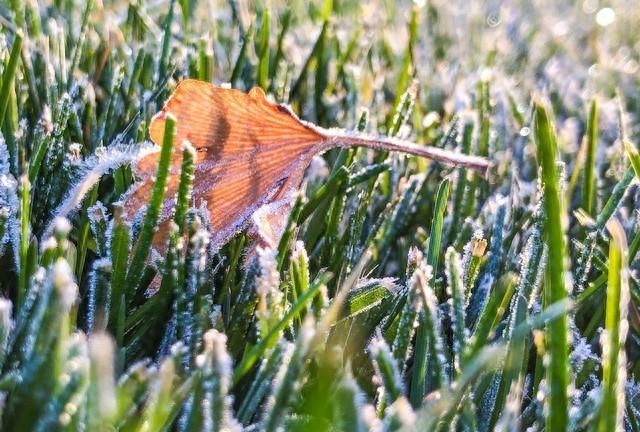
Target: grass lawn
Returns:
[385, 291]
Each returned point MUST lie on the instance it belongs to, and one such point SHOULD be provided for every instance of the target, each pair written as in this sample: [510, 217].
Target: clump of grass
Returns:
[403, 294]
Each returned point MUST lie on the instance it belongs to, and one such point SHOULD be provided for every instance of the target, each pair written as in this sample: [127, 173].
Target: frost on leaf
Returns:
[93, 168]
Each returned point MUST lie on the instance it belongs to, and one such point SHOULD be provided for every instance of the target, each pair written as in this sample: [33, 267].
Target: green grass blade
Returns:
[263, 49]
[242, 56]
[270, 338]
[143, 246]
[9, 73]
[260, 385]
[616, 196]
[287, 380]
[419, 376]
[6, 94]
[185, 186]
[25, 237]
[386, 369]
[455, 290]
[409, 314]
[449, 399]
[120, 247]
[634, 157]
[615, 333]
[589, 183]
[163, 61]
[558, 379]
[435, 236]
[491, 315]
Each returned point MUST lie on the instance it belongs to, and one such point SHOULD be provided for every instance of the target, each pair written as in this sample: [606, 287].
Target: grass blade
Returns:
[418, 379]
[615, 333]
[270, 338]
[589, 183]
[634, 157]
[142, 248]
[558, 380]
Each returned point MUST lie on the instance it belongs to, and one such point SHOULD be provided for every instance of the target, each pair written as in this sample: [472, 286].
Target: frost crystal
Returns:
[8, 202]
[94, 168]
[581, 353]
[270, 297]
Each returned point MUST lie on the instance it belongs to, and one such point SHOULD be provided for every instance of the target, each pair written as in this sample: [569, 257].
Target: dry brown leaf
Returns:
[250, 152]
